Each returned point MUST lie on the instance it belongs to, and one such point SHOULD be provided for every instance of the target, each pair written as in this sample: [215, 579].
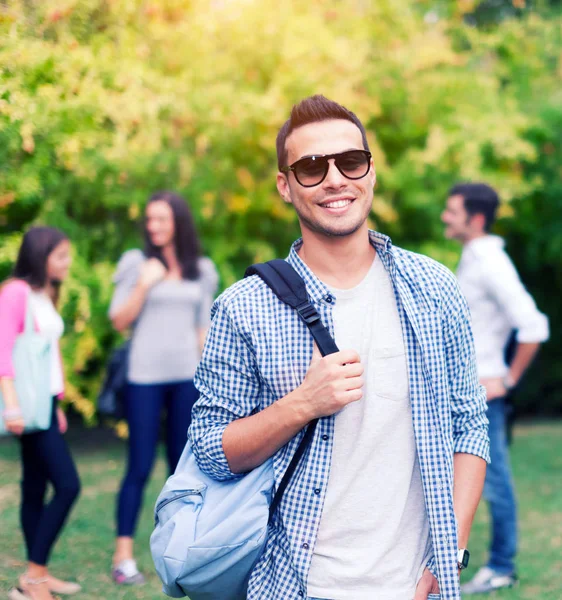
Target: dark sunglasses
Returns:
[312, 170]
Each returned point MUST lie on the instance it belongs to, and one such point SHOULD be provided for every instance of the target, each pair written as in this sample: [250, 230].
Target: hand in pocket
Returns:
[428, 587]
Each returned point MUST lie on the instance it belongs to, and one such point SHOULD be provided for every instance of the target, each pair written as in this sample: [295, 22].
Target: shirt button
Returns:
[329, 299]
[301, 593]
[325, 437]
[317, 491]
[305, 546]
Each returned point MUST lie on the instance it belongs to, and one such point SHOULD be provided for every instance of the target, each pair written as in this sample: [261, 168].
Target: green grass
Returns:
[84, 551]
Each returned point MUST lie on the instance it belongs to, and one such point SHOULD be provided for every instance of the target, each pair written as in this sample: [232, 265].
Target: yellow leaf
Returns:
[245, 178]
[207, 212]
[237, 203]
[134, 211]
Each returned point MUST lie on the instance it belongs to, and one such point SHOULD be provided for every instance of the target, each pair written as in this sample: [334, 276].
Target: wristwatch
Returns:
[463, 556]
[508, 383]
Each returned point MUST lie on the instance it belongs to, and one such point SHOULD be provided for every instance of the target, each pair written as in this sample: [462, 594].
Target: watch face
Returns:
[462, 558]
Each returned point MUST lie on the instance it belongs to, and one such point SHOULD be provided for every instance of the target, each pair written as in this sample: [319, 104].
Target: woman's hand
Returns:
[152, 271]
[61, 420]
[15, 426]
[12, 415]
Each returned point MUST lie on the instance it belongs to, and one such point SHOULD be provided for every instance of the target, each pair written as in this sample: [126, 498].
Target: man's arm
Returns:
[502, 282]
[470, 425]
[470, 471]
[229, 433]
[524, 355]
[330, 384]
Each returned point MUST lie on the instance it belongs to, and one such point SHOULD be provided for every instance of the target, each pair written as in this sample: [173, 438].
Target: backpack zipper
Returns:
[163, 503]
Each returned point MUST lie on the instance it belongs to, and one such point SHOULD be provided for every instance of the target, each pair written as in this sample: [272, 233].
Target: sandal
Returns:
[33, 589]
[64, 588]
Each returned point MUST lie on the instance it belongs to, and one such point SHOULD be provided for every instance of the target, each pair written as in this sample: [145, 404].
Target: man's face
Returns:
[456, 219]
[338, 206]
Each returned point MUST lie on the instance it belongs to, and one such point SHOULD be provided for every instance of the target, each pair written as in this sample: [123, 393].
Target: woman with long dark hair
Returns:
[42, 265]
[164, 294]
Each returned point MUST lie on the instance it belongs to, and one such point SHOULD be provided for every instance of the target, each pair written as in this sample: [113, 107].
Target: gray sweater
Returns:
[164, 343]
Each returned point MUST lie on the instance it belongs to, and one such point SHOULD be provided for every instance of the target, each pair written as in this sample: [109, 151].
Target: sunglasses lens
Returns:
[353, 164]
[310, 171]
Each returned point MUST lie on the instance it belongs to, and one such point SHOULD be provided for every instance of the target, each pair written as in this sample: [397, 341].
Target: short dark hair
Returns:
[479, 199]
[31, 263]
[186, 240]
[313, 110]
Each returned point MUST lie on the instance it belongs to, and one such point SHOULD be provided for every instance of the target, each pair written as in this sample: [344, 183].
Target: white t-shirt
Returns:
[373, 541]
[50, 325]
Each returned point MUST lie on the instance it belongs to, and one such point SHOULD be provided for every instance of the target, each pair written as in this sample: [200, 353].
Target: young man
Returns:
[384, 499]
[498, 303]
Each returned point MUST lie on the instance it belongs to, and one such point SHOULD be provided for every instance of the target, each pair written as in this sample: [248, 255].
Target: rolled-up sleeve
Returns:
[468, 397]
[229, 385]
[504, 285]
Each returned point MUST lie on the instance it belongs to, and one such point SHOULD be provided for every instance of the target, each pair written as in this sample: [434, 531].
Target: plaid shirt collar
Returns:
[316, 289]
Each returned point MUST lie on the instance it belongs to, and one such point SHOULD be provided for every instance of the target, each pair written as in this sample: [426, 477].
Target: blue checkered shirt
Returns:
[258, 350]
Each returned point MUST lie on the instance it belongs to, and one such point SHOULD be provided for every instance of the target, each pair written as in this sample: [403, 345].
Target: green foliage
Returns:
[103, 102]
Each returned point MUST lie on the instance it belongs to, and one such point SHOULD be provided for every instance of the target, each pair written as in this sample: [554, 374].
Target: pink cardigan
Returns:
[13, 304]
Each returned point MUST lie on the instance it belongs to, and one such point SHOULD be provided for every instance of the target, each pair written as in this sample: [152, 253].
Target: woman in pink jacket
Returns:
[42, 264]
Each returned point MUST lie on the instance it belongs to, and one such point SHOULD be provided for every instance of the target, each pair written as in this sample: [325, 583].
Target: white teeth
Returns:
[337, 204]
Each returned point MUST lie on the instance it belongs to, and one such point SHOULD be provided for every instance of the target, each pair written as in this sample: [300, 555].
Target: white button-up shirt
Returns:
[498, 302]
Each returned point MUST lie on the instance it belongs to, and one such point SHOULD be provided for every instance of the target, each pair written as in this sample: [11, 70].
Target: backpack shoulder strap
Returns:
[290, 288]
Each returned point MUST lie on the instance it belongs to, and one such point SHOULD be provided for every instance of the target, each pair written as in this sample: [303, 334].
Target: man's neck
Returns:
[342, 262]
[474, 236]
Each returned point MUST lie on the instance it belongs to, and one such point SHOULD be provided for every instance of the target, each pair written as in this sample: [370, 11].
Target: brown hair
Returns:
[313, 110]
[478, 199]
[186, 240]
[31, 263]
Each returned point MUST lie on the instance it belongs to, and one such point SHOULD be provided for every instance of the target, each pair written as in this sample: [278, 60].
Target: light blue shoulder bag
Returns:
[209, 534]
[32, 376]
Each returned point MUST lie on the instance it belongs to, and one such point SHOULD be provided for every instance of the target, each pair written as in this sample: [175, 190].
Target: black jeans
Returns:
[46, 458]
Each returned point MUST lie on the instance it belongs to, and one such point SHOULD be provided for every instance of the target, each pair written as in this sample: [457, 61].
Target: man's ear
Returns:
[478, 221]
[373, 173]
[283, 188]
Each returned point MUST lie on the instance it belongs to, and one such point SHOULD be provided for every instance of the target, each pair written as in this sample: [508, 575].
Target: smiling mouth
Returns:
[336, 203]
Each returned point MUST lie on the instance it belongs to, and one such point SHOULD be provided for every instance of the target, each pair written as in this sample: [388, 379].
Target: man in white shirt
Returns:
[499, 303]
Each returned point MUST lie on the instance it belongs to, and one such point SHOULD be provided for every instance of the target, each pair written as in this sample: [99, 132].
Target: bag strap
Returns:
[290, 288]
[29, 326]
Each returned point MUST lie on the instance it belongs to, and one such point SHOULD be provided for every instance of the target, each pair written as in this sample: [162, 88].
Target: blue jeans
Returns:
[143, 409]
[500, 493]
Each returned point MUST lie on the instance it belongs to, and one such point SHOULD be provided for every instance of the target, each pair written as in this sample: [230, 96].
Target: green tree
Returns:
[102, 102]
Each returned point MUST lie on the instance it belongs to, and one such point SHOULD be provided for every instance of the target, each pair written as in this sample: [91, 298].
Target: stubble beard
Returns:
[325, 229]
